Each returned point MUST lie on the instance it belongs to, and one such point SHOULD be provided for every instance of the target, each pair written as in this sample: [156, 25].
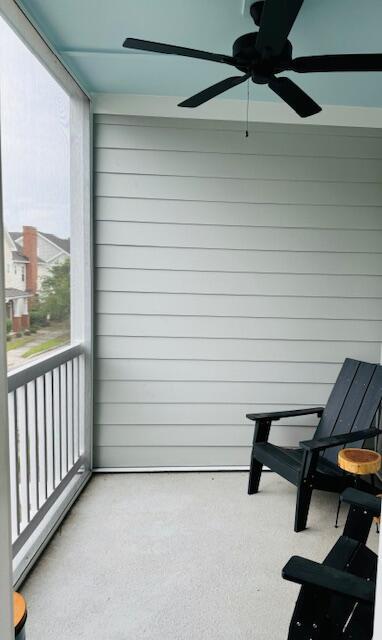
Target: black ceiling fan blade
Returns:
[161, 47]
[295, 97]
[213, 91]
[277, 20]
[341, 62]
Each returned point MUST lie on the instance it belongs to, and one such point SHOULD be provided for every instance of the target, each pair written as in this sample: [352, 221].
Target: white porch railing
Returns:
[45, 409]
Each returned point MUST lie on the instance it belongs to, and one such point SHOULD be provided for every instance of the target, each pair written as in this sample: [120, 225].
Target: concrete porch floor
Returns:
[183, 556]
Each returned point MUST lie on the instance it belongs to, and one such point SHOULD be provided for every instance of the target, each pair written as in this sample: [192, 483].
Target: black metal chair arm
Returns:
[334, 441]
[307, 572]
[276, 415]
[371, 504]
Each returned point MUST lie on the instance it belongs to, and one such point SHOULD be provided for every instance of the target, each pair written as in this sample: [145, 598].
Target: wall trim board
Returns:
[225, 109]
[171, 469]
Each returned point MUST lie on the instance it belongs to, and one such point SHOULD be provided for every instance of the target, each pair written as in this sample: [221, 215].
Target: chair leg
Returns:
[260, 434]
[304, 494]
[254, 475]
[338, 511]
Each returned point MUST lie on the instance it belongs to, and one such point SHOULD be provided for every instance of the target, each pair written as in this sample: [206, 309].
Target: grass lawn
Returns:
[19, 342]
[53, 343]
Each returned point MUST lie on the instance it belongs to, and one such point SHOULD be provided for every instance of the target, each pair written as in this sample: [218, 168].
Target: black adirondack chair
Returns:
[336, 600]
[347, 419]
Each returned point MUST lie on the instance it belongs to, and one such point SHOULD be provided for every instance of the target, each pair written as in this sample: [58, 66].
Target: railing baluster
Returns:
[57, 426]
[76, 408]
[23, 459]
[13, 463]
[64, 420]
[69, 404]
[48, 377]
[33, 453]
[74, 393]
[41, 439]
[81, 401]
[81, 388]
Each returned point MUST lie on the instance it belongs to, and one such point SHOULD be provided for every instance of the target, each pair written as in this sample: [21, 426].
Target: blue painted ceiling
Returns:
[89, 35]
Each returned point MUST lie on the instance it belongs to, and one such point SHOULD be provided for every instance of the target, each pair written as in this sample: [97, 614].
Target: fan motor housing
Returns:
[249, 60]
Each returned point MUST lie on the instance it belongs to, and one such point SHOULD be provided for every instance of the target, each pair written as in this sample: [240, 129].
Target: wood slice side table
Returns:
[19, 615]
[359, 462]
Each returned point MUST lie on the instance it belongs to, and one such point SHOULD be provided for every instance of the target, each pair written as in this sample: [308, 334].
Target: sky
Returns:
[35, 160]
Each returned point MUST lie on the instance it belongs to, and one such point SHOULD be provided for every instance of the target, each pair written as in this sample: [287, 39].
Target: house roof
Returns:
[17, 256]
[11, 293]
[15, 235]
[61, 243]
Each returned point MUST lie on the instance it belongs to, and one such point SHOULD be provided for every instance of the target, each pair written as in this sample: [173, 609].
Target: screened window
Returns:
[35, 158]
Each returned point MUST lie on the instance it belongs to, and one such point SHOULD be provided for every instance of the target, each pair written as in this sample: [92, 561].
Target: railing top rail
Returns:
[21, 376]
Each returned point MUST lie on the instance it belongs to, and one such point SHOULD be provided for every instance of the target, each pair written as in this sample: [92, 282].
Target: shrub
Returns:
[9, 325]
[38, 318]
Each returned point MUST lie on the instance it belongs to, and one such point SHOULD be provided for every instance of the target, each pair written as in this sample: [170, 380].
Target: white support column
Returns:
[81, 260]
[6, 608]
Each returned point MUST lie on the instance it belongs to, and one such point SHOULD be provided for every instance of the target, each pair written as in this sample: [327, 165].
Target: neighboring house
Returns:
[16, 292]
[29, 255]
[51, 250]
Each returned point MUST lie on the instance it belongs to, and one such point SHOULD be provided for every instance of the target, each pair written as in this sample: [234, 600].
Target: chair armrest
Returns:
[334, 441]
[276, 415]
[306, 572]
[370, 504]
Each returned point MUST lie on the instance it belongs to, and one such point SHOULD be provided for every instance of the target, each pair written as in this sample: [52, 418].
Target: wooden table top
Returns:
[359, 461]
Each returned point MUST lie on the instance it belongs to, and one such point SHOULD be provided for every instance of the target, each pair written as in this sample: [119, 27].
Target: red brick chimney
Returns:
[30, 251]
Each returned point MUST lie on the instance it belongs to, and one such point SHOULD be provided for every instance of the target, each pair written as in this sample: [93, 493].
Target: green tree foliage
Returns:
[55, 293]
[37, 315]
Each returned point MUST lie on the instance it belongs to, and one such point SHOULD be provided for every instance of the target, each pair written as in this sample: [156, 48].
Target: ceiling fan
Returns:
[262, 54]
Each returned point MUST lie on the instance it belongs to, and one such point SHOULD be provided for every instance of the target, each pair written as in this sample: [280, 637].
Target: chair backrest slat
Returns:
[353, 403]
[369, 407]
[337, 398]
[352, 406]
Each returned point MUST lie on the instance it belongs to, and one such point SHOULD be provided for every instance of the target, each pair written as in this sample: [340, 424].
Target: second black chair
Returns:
[337, 597]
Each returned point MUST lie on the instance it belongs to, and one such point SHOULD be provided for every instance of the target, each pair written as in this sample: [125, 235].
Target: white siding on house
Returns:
[14, 272]
[233, 275]
[43, 271]
[46, 250]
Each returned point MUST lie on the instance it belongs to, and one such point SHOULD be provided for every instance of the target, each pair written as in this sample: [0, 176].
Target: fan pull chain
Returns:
[246, 129]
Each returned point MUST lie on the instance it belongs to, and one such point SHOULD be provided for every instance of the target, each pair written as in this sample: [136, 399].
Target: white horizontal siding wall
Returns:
[233, 275]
